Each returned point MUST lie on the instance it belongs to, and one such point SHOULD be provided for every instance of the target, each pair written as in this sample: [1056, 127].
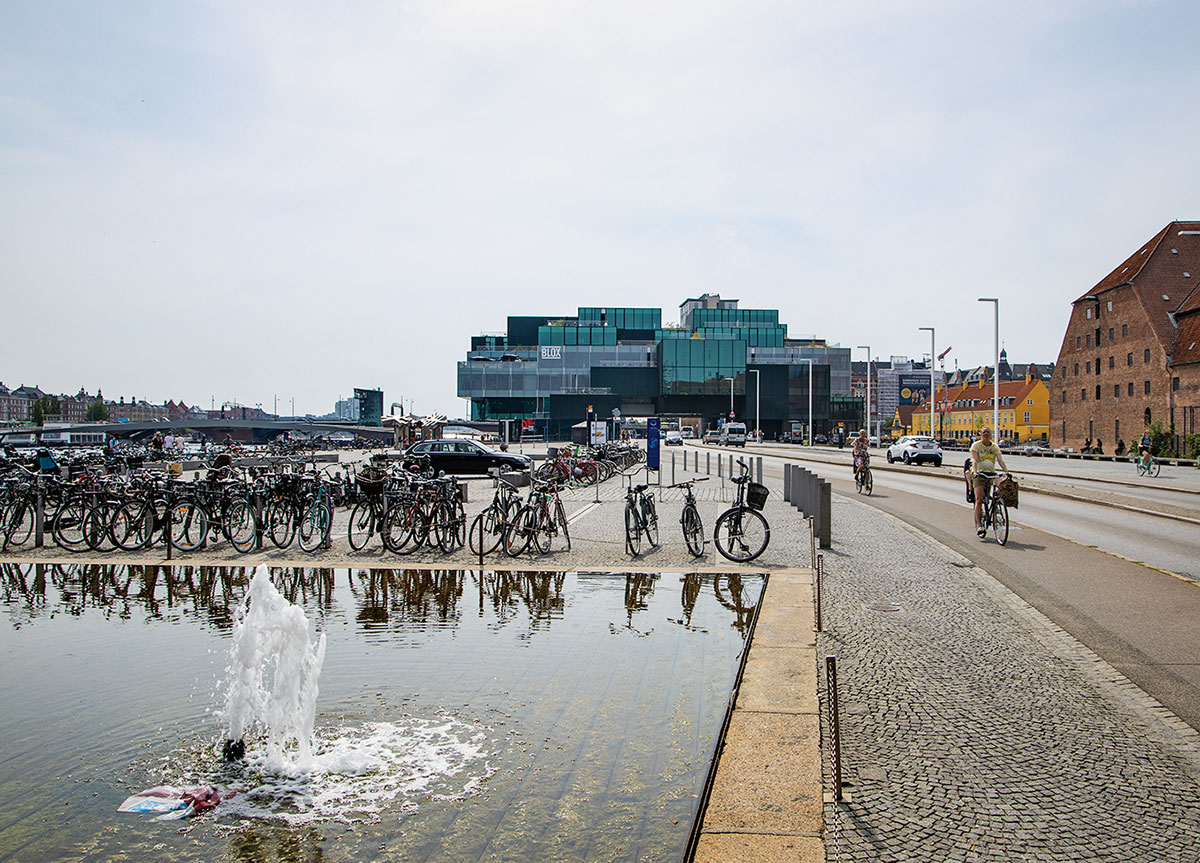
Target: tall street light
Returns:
[995, 301]
[756, 403]
[730, 397]
[810, 388]
[868, 412]
[932, 392]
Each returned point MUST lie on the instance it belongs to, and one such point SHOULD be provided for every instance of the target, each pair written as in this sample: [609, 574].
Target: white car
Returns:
[673, 438]
[915, 448]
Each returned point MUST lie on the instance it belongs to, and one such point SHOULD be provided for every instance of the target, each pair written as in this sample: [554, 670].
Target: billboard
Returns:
[914, 389]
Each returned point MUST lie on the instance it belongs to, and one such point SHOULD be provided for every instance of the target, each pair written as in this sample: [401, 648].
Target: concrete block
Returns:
[755, 848]
[780, 679]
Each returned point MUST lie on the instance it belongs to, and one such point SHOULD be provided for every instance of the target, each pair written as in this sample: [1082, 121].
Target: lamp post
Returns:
[868, 410]
[730, 397]
[756, 404]
[995, 301]
[810, 388]
[932, 393]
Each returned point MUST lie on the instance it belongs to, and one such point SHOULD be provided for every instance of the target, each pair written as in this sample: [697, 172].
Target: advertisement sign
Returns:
[652, 441]
[599, 433]
[913, 388]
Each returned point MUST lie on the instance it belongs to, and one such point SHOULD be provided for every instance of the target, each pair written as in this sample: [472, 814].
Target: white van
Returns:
[733, 434]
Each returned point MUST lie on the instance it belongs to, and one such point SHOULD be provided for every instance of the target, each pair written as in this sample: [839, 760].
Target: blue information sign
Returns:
[652, 437]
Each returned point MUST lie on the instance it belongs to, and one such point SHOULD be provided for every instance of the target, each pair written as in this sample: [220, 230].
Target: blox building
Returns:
[720, 360]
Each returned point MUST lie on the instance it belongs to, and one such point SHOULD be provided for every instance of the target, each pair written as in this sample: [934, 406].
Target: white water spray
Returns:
[273, 672]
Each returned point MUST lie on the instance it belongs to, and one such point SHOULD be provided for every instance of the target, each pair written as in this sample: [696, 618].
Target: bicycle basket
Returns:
[371, 479]
[1008, 492]
[756, 495]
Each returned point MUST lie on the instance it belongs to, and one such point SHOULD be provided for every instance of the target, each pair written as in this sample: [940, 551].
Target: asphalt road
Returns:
[1142, 621]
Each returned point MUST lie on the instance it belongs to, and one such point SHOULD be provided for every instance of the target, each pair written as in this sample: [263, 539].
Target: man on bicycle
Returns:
[985, 455]
[862, 452]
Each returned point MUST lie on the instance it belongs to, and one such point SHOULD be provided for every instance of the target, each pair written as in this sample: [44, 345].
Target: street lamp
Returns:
[810, 388]
[730, 397]
[868, 411]
[932, 385]
[995, 301]
[756, 403]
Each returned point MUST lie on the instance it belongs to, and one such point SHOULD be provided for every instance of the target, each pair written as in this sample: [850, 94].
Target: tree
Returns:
[46, 406]
[97, 412]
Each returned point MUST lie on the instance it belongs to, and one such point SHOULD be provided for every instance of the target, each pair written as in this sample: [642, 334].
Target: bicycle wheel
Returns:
[67, 527]
[398, 528]
[95, 528]
[633, 530]
[1000, 521]
[741, 534]
[458, 525]
[485, 533]
[362, 525]
[241, 527]
[560, 516]
[315, 525]
[189, 526]
[443, 527]
[543, 528]
[651, 522]
[132, 525]
[17, 523]
[520, 531]
[693, 530]
[1155, 467]
[868, 482]
[281, 522]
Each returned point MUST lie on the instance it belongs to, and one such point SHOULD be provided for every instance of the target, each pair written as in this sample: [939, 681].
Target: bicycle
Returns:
[488, 528]
[369, 514]
[689, 519]
[640, 518]
[864, 483]
[994, 515]
[742, 532]
[1149, 468]
[539, 521]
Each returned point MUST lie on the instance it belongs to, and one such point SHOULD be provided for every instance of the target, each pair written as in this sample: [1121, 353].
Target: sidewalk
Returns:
[976, 730]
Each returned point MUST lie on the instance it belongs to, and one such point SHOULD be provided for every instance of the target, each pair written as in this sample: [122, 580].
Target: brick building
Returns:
[1131, 351]
[960, 413]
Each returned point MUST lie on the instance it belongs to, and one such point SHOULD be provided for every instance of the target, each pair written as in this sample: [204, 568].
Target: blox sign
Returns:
[551, 352]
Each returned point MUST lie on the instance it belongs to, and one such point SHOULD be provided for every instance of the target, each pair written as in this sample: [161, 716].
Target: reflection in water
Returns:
[386, 597]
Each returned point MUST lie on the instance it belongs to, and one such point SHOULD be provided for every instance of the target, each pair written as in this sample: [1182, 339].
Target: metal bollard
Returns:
[835, 733]
[817, 574]
[39, 520]
[812, 539]
[759, 469]
[826, 508]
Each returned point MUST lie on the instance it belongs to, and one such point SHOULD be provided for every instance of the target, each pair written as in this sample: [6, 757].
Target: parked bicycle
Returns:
[541, 519]
[489, 527]
[742, 532]
[641, 518]
[995, 511]
[689, 518]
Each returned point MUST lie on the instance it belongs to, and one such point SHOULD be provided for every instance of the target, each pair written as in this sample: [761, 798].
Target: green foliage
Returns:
[97, 412]
[1191, 446]
[46, 406]
[1160, 440]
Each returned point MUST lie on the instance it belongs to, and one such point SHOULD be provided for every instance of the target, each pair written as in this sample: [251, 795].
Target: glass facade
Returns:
[553, 369]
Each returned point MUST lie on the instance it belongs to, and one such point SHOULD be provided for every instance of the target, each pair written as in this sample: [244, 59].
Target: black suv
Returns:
[465, 457]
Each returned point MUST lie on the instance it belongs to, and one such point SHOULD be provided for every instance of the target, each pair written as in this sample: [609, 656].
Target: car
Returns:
[820, 439]
[673, 438]
[873, 440]
[461, 457]
[915, 448]
[712, 436]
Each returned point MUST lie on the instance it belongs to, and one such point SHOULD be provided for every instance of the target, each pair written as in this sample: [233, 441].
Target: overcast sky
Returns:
[254, 200]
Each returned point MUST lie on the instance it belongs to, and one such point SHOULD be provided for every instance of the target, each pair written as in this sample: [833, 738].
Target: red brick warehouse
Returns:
[1131, 352]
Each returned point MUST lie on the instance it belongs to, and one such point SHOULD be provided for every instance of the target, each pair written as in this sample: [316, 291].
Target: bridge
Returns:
[248, 430]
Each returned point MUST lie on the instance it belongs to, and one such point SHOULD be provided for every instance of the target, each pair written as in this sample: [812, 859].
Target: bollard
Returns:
[787, 483]
[835, 734]
[759, 470]
[39, 519]
[708, 463]
[673, 468]
[812, 540]
[826, 507]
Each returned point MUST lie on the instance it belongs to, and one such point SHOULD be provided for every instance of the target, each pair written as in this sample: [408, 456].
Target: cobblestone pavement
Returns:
[975, 730]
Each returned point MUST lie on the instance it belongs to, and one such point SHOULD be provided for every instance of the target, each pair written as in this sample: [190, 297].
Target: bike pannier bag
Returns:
[756, 495]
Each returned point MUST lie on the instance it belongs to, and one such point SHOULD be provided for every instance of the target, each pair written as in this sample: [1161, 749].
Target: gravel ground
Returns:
[976, 730]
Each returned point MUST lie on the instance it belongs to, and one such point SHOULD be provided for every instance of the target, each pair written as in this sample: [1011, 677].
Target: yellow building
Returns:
[960, 413]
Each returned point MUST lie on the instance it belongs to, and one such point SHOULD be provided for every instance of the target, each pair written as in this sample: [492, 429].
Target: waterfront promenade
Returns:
[974, 729]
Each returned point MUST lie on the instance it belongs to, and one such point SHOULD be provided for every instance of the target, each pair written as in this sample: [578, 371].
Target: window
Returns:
[1129, 359]
[1111, 337]
[1108, 308]
[1064, 397]
[1097, 365]
[1083, 395]
[1175, 384]
[1124, 331]
[1112, 363]
[1097, 337]
[1076, 369]
[1131, 387]
[1029, 402]
[1088, 367]
[1088, 312]
[1089, 340]
[1077, 342]
[1027, 417]
[1064, 371]
[1097, 392]
[1116, 391]
[1147, 387]
[1146, 356]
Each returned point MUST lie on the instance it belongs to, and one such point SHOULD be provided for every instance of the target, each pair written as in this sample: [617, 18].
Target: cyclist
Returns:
[1145, 444]
[985, 455]
[862, 452]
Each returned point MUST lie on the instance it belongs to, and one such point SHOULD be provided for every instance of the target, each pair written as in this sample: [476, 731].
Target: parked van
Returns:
[733, 434]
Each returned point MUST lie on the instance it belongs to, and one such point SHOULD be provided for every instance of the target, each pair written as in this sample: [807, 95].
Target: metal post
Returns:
[825, 507]
[812, 539]
[835, 732]
[673, 468]
[817, 574]
[39, 519]
[760, 470]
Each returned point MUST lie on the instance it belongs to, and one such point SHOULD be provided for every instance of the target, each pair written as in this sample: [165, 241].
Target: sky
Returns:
[275, 202]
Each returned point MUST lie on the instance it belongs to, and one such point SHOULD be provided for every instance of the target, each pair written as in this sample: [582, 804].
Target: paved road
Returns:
[1144, 622]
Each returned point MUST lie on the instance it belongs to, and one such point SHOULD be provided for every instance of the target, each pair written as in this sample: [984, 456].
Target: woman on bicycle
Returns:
[985, 455]
[862, 452]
